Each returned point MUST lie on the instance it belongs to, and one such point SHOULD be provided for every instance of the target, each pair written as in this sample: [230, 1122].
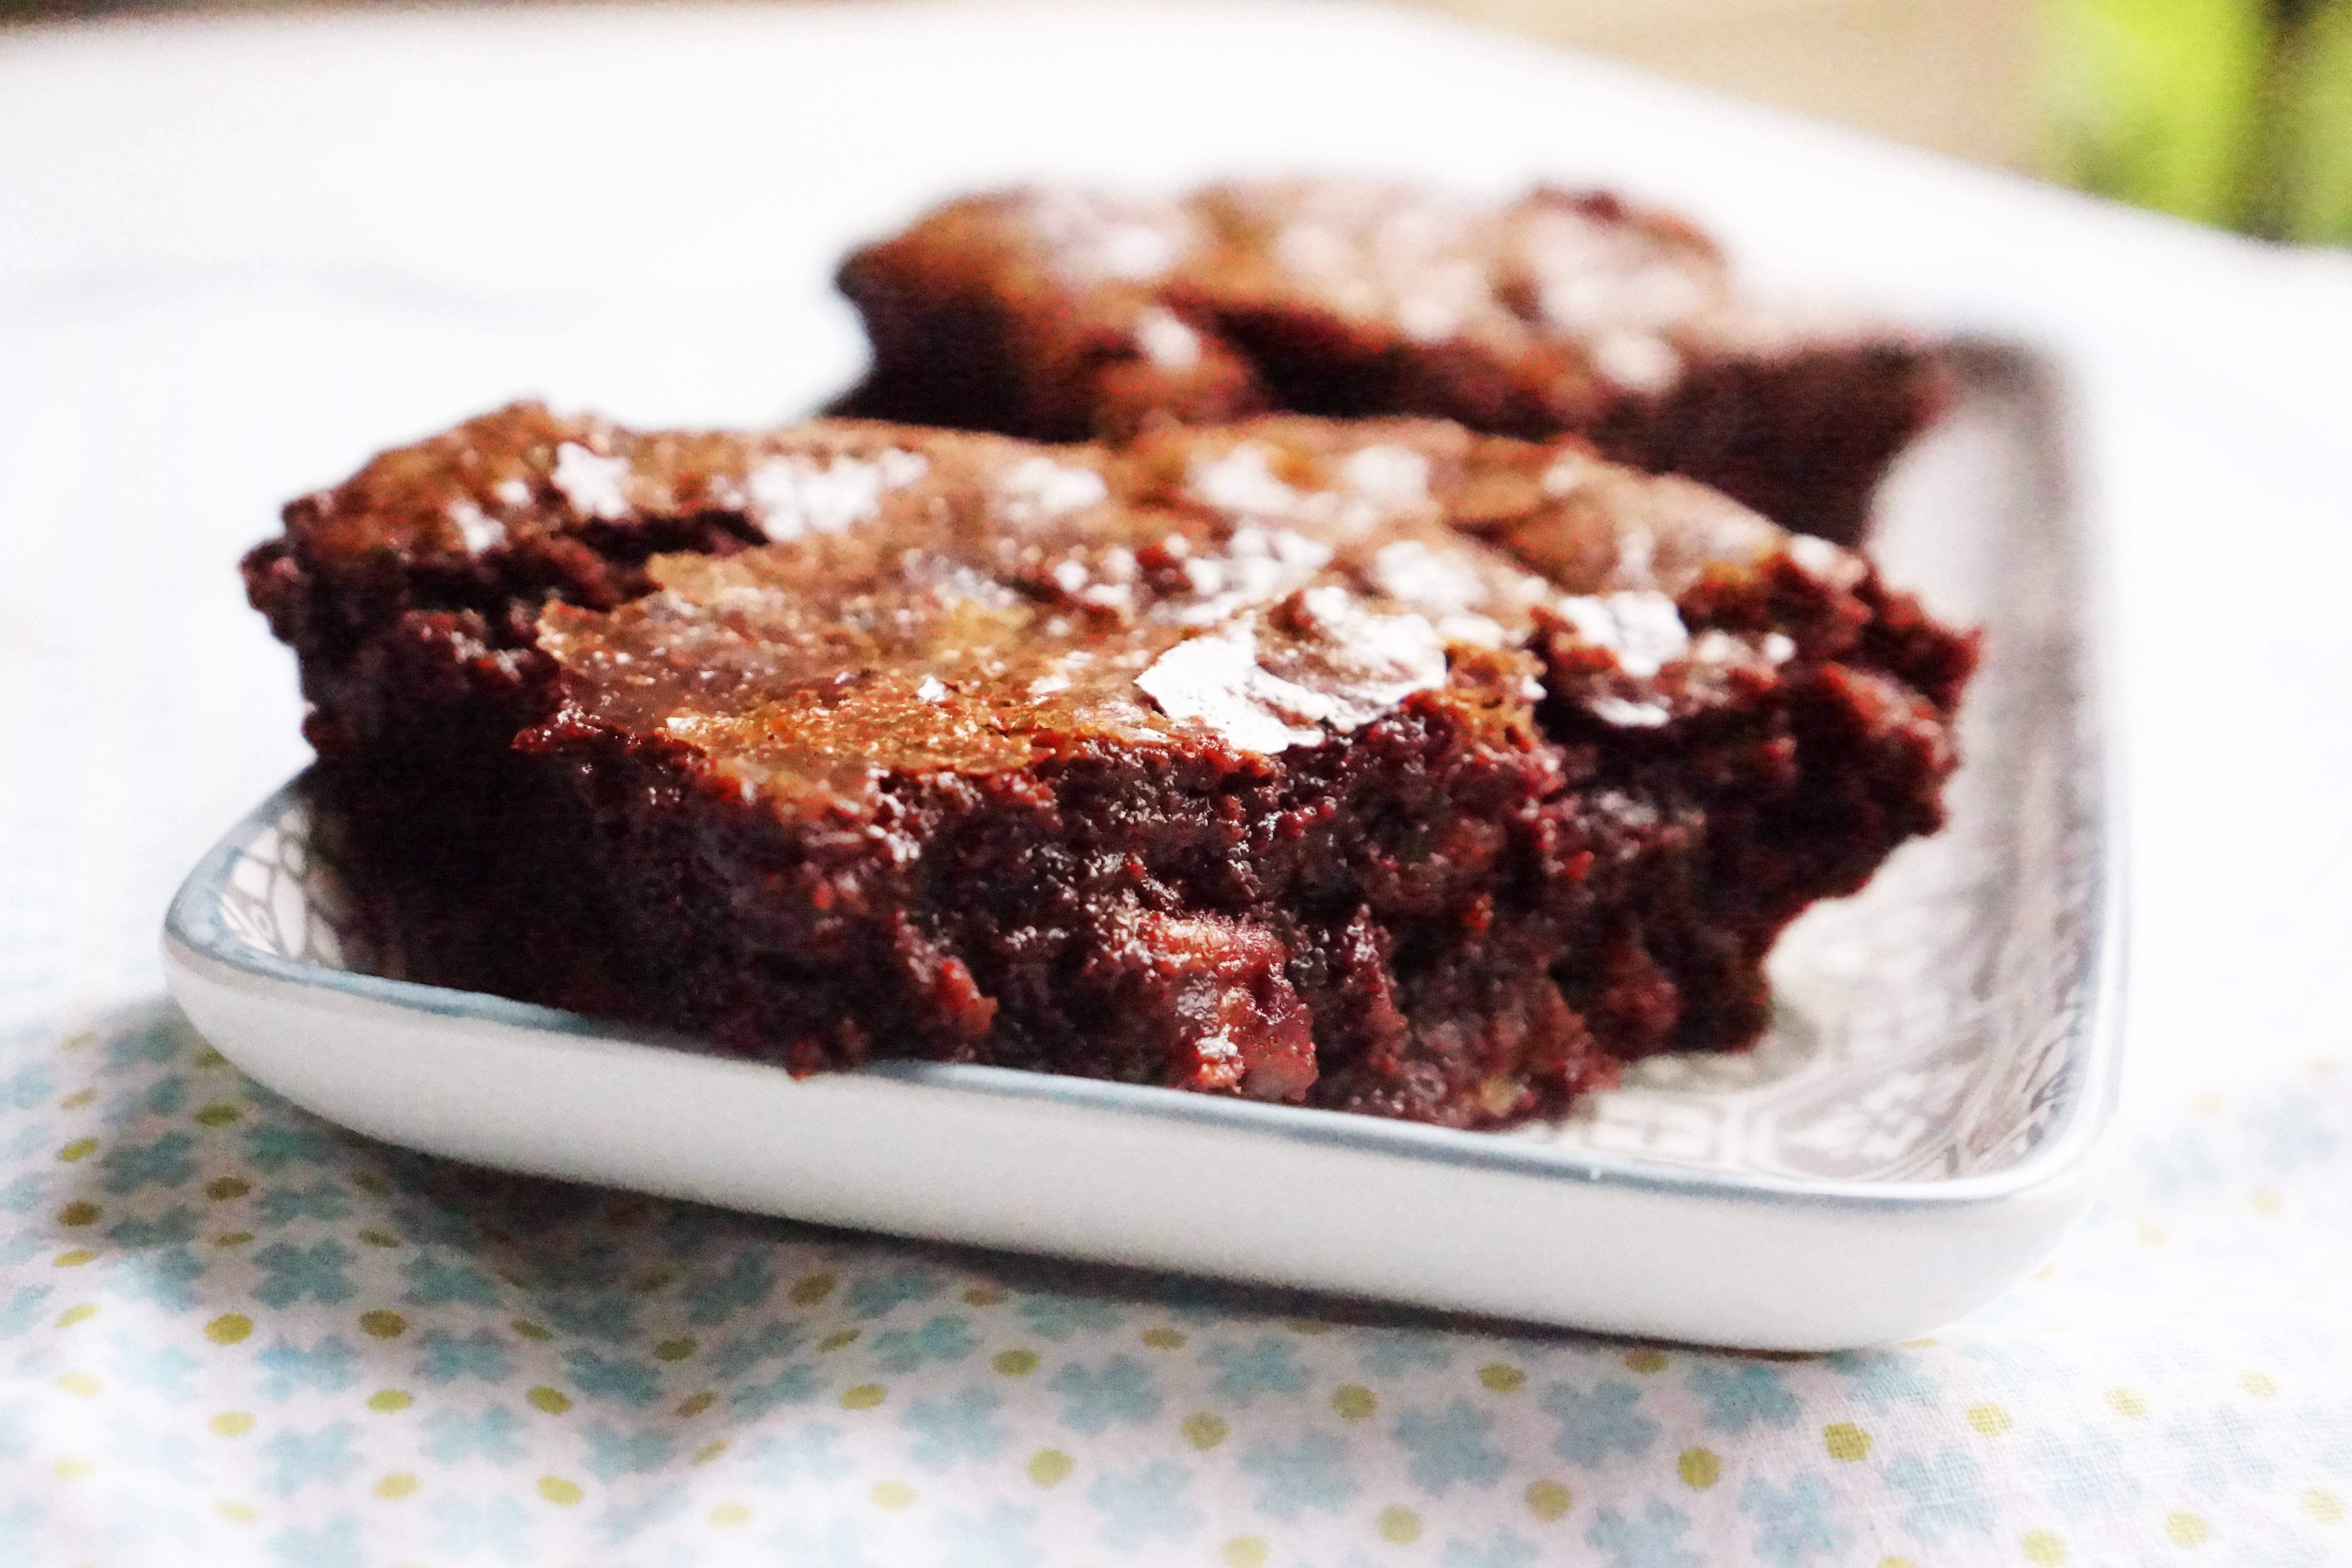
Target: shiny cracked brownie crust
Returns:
[1377, 766]
[1061, 315]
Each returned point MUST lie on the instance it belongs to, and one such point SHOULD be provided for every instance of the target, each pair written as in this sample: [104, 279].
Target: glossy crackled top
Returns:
[1611, 288]
[525, 474]
[950, 602]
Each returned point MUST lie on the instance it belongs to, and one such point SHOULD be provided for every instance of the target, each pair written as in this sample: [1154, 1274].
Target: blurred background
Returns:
[2236, 113]
[2232, 113]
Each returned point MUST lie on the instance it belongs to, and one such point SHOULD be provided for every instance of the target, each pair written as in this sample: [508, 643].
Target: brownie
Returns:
[1060, 315]
[1377, 765]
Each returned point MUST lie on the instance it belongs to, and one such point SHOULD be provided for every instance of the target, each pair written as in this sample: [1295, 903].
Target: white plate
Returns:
[635, 210]
[1912, 1135]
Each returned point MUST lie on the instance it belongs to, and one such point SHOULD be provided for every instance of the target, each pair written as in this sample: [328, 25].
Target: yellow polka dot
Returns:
[2209, 1100]
[728, 1515]
[675, 1349]
[222, 1188]
[79, 1382]
[75, 1257]
[984, 1296]
[696, 1404]
[1244, 1551]
[1549, 1500]
[2185, 1529]
[228, 1328]
[231, 1423]
[80, 1312]
[2324, 1507]
[77, 1100]
[1166, 1340]
[1929, 1342]
[2044, 1550]
[72, 1470]
[2266, 1200]
[1897, 1562]
[1699, 1468]
[892, 1495]
[79, 1149]
[1048, 1466]
[839, 1339]
[80, 1213]
[1400, 1525]
[234, 1239]
[384, 1401]
[398, 1484]
[1205, 1431]
[219, 1115]
[1354, 1401]
[209, 1057]
[1015, 1364]
[369, 1182]
[653, 1280]
[2127, 1402]
[1502, 1377]
[236, 1512]
[559, 1492]
[1307, 1326]
[554, 1401]
[808, 1292]
[1846, 1440]
[384, 1325]
[709, 1451]
[1646, 1361]
[1990, 1419]
[864, 1397]
[381, 1238]
[531, 1331]
[2259, 1385]
[2152, 1234]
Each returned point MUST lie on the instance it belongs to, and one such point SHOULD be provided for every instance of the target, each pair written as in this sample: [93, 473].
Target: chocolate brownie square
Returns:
[1378, 765]
[1060, 315]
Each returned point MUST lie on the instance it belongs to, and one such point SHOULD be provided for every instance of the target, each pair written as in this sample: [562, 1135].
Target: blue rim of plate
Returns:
[2083, 1107]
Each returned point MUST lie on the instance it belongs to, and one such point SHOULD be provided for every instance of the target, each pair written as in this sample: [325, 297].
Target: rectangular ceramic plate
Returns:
[1908, 1138]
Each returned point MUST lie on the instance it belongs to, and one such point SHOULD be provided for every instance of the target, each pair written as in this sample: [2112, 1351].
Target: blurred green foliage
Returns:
[2236, 112]
[2319, 133]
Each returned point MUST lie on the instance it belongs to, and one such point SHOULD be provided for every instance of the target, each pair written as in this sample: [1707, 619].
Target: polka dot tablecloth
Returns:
[229, 1332]
[236, 258]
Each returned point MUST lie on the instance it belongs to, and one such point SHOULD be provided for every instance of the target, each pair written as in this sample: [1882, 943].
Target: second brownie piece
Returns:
[1061, 315]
